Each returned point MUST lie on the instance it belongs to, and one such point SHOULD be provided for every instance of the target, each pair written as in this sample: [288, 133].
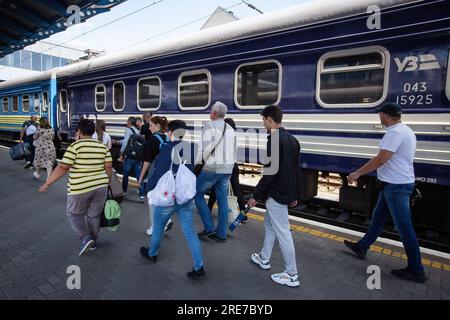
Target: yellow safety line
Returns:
[373, 248]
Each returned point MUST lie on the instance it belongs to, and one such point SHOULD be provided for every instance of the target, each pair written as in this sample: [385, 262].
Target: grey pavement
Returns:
[37, 246]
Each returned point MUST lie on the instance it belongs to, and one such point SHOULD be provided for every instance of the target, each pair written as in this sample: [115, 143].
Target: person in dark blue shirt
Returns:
[167, 158]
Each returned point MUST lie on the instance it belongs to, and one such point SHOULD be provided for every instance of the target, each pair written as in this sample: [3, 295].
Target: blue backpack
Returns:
[162, 142]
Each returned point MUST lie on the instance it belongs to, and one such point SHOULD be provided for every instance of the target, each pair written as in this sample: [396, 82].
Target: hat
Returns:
[392, 109]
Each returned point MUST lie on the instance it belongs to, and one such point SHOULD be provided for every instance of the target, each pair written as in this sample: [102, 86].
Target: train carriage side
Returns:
[19, 102]
[328, 78]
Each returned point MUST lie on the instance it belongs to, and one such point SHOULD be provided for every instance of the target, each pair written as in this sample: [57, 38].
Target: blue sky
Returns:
[157, 19]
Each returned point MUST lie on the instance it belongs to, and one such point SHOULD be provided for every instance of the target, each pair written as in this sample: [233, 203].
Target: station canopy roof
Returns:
[23, 22]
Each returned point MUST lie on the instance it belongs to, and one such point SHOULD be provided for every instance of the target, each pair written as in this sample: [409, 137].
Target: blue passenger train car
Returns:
[328, 64]
[21, 99]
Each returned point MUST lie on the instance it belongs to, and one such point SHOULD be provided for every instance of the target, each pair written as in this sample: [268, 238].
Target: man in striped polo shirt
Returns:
[89, 163]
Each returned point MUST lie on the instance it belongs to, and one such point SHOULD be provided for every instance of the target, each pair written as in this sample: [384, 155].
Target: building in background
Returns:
[220, 16]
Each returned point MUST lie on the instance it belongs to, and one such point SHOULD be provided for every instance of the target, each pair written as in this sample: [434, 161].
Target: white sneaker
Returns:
[36, 175]
[168, 225]
[150, 231]
[264, 264]
[286, 279]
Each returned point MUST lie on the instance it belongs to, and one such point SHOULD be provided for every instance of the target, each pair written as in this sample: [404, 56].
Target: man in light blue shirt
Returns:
[395, 172]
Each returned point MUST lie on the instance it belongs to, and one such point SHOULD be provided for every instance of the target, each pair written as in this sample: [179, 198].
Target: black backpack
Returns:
[135, 146]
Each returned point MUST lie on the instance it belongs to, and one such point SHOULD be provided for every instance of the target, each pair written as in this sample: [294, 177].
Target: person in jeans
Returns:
[130, 164]
[139, 124]
[279, 187]
[234, 180]
[163, 162]
[89, 164]
[220, 137]
[153, 145]
[395, 171]
[26, 136]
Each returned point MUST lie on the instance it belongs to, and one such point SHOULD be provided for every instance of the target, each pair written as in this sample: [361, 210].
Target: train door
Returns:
[63, 112]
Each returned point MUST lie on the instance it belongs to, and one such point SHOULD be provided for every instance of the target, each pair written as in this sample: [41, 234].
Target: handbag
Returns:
[163, 195]
[185, 183]
[170, 187]
[116, 187]
[199, 167]
[111, 213]
[233, 207]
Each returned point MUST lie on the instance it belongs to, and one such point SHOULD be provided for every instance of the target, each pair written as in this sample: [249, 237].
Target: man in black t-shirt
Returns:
[145, 129]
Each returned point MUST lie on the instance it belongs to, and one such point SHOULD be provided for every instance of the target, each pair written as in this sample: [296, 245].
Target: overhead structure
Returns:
[23, 22]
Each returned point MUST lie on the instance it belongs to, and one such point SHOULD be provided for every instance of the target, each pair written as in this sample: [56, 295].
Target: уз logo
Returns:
[413, 63]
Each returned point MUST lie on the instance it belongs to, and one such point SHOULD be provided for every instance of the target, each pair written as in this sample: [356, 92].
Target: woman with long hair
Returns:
[101, 135]
[158, 127]
[45, 155]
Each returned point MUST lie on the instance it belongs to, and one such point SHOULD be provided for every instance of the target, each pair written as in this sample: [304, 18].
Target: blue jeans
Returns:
[30, 140]
[206, 181]
[131, 164]
[161, 215]
[394, 199]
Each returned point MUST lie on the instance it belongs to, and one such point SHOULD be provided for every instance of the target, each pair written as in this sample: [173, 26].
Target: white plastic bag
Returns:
[163, 195]
[233, 207]
[185, 184]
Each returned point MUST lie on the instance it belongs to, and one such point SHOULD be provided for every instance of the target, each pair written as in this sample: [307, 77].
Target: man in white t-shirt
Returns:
[395, 172]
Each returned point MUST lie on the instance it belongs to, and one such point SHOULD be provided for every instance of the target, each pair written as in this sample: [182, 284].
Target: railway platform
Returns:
[37, 246]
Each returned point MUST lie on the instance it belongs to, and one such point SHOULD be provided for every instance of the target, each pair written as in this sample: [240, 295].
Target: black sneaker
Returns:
[355, 249]
[144, 253]
[27, 165]
[205, 233]
[405, 274]
[217, 238]
[196, 274]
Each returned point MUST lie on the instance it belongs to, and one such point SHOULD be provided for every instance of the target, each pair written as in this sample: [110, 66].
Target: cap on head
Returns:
[391, 109]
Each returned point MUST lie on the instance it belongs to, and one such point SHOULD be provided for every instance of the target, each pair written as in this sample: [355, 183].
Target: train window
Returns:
[63, 102]
[258, 84]
[37, 102]
[353, 78]
[5, 103]
[194, 90]
[26, 103]
[100, 97]
[15, 104]
[45, 101]
[149, 94]
[118, 96]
